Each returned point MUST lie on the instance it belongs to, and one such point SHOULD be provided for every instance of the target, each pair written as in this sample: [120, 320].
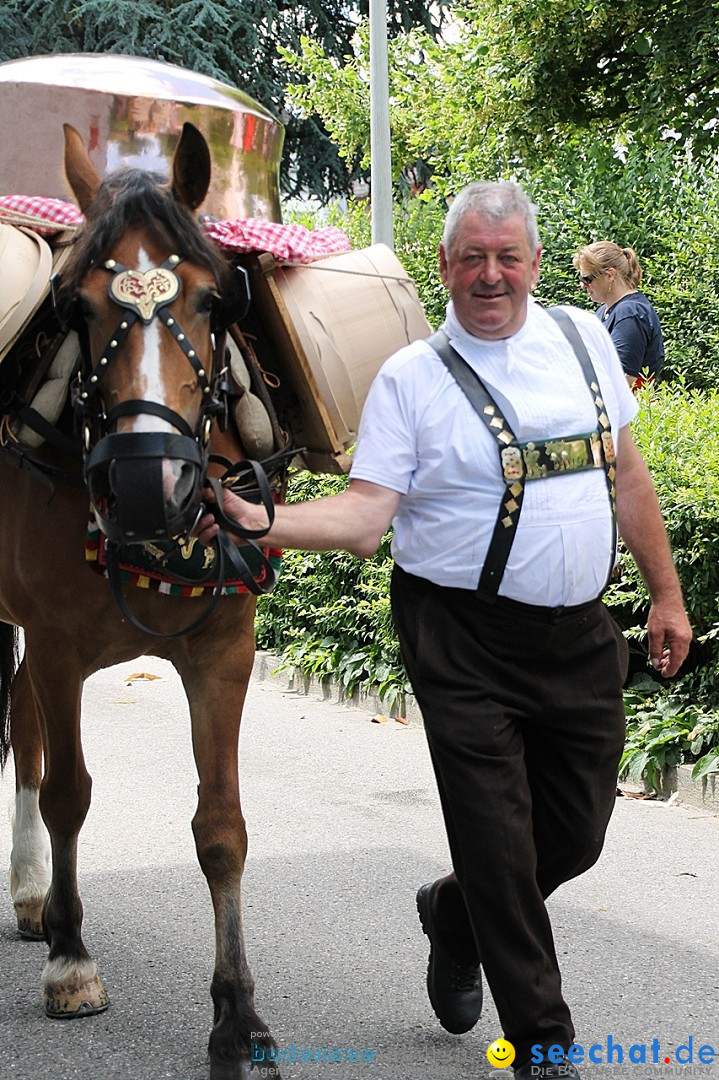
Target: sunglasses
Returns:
[587, 279]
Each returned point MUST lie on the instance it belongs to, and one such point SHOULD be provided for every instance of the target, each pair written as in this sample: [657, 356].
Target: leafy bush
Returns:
[330, 615]
[676, 430]
[672, 723]
[666, 730]
[662, 206]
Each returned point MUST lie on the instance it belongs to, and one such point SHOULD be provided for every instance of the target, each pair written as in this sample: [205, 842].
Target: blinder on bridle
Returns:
[124, 472]
[235, 302]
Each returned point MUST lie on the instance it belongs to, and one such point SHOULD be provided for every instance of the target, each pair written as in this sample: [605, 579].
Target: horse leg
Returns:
[216, 695]
[72, 986]
[30, 855]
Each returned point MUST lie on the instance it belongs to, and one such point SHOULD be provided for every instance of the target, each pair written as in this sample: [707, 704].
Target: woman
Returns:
[610, 275]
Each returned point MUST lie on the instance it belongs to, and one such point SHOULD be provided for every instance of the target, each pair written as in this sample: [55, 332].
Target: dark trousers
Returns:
[525, 723]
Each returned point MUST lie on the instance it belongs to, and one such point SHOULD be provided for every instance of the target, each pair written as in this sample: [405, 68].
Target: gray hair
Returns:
[495, 200]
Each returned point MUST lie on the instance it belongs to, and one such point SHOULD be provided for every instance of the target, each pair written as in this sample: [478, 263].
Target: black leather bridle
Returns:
[123, 471]
[131, 507]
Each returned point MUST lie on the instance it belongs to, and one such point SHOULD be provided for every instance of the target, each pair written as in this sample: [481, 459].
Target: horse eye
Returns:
[207, 302]
[83, 308]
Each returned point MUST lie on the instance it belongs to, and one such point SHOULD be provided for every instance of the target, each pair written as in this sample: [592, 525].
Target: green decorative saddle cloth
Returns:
[170, 566]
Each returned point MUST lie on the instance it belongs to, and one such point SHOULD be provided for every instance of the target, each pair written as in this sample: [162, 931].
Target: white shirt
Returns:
[420, 436]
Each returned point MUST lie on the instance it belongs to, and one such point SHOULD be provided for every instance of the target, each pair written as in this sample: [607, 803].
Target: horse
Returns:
[142, 286]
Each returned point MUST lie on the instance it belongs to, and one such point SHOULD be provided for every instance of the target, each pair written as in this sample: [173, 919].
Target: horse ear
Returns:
[80, 172]
[191, 168]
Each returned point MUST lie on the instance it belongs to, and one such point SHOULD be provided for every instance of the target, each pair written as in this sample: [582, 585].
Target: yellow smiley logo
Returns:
[500, 1054]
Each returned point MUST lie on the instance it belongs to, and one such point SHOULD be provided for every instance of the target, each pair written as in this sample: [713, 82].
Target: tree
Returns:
[520, 78]
[233, 40]
[644, 66]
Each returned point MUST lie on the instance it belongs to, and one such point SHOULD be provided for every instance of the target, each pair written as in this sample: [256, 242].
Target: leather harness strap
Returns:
[514, 455]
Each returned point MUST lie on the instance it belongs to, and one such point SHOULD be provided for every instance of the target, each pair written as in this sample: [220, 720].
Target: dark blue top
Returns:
[635, 331]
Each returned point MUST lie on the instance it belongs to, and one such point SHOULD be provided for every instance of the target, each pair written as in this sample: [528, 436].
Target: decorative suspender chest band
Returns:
[534, 459]
[539, 459]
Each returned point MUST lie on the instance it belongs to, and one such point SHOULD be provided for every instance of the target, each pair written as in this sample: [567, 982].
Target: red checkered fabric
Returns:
[45, 216]
[288, 243]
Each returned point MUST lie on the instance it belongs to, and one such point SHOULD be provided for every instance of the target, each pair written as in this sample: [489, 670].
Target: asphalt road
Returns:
[344, 826]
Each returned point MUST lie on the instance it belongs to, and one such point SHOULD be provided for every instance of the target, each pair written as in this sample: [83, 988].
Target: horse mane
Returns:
[137, 197]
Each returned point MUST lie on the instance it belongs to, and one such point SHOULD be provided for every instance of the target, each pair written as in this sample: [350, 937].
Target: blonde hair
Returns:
[598, 258]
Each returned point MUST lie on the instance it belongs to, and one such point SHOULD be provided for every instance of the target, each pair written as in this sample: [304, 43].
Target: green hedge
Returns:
[330, 614]
[662, 204]
[330, 617]
[676, 722]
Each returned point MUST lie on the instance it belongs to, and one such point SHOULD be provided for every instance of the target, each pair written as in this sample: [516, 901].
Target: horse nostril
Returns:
[178, 480]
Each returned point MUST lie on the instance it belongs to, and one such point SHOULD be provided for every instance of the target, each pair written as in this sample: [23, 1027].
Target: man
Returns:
[516, 664]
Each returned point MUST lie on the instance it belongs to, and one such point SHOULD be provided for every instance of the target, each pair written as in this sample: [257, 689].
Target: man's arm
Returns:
[640, 525]
[354, 521]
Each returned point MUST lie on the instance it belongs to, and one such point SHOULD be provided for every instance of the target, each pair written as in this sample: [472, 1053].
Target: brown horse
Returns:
[143, 283]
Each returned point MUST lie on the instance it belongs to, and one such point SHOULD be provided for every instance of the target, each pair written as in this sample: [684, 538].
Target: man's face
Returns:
[490, 270]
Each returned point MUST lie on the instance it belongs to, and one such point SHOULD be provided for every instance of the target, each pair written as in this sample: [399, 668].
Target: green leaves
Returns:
[330, 615]
[635, 65]
[642, 45]
[664, 730]
[706, 766]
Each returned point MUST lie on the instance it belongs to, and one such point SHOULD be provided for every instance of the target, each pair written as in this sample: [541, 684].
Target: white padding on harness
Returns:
[52, 394]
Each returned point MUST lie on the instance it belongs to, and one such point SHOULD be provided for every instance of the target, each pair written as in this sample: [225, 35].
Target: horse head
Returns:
[144, 287]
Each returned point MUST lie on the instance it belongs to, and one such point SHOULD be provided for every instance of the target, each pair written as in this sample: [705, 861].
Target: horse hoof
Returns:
[70, 1001]
[29, 920]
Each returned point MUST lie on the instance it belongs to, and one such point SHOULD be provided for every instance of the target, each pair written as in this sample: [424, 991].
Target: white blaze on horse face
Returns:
[151, 387]
[150, 383]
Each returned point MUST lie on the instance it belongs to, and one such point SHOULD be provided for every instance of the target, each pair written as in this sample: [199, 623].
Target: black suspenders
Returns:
[519, 460]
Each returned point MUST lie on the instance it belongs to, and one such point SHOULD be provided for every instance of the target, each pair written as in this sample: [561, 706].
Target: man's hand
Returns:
[669, 637]
[250, 515]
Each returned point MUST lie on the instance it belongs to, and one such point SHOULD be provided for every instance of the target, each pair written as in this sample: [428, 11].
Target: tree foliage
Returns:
[518, 79]
[233, 40]
[640, 65]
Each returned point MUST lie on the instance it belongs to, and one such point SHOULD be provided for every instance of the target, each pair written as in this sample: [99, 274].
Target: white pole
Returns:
[380, 153]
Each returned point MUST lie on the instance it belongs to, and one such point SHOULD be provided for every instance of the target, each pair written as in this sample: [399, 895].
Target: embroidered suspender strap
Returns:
[521, 461]
[566, 325]
[486, 408]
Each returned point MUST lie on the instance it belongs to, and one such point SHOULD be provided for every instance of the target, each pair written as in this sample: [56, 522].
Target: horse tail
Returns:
[8, 667]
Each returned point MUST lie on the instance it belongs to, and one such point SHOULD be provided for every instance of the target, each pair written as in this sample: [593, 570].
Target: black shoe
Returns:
[547, 1071]
[455, 990]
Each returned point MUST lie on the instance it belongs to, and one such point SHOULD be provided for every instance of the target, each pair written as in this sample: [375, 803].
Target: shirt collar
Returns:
[512, 349]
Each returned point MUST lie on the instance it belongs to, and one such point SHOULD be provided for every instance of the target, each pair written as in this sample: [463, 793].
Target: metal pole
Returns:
[380, 153]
